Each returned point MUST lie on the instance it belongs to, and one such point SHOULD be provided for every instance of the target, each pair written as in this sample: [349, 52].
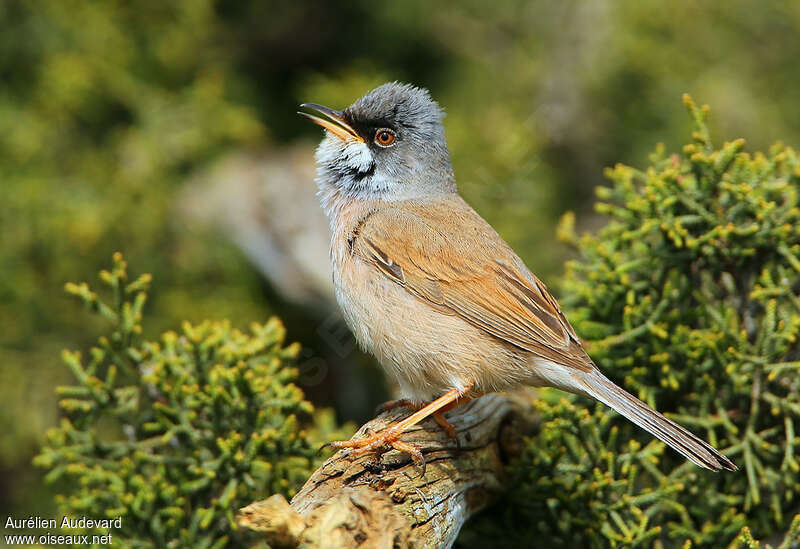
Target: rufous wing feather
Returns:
[472, 273]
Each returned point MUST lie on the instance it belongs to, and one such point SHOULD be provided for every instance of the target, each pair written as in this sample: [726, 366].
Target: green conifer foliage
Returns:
[175, 435]
[688, 297]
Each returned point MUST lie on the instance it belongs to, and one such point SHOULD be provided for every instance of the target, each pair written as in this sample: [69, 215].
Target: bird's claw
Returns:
[416, 454]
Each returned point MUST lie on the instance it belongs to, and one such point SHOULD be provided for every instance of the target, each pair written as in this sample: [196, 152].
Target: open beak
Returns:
[334, 123]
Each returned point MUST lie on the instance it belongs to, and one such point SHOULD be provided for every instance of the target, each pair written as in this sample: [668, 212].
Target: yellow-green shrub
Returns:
[175, 435]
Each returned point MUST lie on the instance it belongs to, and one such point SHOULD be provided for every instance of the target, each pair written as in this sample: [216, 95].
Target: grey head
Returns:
[388, 145]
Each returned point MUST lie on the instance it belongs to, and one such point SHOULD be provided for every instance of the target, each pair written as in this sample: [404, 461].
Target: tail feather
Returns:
[689, 445]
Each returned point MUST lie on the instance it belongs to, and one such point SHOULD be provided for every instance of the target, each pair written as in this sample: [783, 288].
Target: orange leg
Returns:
[438, 415]
[390, 435]
[447, 426]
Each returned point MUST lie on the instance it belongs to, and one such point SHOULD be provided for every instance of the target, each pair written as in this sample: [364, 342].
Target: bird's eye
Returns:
[385, 137]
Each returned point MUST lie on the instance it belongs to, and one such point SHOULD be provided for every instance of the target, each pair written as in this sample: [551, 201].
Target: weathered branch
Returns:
[384, 501]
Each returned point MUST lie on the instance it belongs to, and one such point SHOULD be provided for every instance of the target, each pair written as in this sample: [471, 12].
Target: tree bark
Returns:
[385, 501]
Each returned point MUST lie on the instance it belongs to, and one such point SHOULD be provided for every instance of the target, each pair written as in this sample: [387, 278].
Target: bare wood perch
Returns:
[386, 502]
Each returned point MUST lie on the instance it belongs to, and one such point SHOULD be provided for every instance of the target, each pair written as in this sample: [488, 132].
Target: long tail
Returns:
[692, 447]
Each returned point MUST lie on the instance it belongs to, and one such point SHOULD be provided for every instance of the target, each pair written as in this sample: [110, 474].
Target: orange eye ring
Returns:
[385, 137]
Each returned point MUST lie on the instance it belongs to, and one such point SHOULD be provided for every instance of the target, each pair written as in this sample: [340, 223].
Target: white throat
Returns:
[347, 171]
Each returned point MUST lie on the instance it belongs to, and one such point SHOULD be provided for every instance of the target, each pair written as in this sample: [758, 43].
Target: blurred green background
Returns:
[111, 112]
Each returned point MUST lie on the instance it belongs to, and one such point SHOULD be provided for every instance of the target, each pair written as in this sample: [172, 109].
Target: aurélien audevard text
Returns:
[66, 522]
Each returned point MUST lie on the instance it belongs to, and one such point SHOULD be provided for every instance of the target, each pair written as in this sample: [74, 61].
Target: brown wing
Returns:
[448, 255]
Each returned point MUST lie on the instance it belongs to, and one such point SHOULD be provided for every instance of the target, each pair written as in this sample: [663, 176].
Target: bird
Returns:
[429, 288]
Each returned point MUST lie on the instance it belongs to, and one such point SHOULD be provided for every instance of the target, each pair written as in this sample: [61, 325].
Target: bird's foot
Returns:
[379, 442]
[389, 436]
